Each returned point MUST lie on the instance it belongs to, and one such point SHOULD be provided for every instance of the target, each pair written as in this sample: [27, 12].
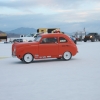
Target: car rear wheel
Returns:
[67, 55]
[85, 40]
[28, 58]
[93, 40]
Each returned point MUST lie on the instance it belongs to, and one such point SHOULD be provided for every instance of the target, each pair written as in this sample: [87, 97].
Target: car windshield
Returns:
[91, 33]
[37, 39]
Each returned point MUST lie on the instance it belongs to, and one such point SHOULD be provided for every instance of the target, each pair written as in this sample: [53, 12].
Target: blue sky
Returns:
[68, 15]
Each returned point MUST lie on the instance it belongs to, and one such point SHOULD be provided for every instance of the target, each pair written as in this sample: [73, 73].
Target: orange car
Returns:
[45, 46]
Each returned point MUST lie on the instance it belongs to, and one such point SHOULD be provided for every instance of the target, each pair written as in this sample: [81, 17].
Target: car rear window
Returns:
[62, 40]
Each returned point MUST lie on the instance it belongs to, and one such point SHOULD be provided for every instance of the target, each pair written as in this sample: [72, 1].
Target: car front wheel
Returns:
[28, 58]
[67, 55]
[85, 40]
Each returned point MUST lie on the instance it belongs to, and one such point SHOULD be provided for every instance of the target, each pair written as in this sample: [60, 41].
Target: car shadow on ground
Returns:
[43, 61]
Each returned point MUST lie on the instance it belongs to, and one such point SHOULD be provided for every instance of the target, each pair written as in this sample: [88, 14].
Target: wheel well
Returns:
[28, 53]
[68, 51]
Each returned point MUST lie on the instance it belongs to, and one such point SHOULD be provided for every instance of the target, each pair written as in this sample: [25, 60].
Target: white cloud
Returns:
[49, 13]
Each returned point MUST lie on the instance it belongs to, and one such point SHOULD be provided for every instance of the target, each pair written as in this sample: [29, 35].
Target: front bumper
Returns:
[13, 54]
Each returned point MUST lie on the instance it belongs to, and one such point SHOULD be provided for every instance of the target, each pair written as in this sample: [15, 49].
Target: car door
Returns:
[64, 45]
[48, 47]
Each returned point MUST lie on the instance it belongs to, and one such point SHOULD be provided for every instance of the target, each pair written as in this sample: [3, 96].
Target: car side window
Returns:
[49, 40]
[62, 40]
[95, 33]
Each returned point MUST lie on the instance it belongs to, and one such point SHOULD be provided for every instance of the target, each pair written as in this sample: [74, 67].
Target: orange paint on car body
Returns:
[46, 46]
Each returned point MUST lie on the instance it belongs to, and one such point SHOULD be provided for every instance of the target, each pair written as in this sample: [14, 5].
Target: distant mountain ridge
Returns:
[22, 30]
[1, 31]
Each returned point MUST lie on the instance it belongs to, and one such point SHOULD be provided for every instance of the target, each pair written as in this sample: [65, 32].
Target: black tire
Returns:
[85, 40]
[28, 58]
[67, 55]
[92, 40]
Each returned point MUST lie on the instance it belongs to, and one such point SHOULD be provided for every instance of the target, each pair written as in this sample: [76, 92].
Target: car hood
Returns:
[17, 45]
[87, 35]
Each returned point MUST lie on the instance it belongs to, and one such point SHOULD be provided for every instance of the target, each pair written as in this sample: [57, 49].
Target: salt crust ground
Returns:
[77, 79]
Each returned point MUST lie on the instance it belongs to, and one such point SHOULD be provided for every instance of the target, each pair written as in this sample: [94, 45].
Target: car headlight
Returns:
[90, 36]
[14, 52]
[14, 49]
